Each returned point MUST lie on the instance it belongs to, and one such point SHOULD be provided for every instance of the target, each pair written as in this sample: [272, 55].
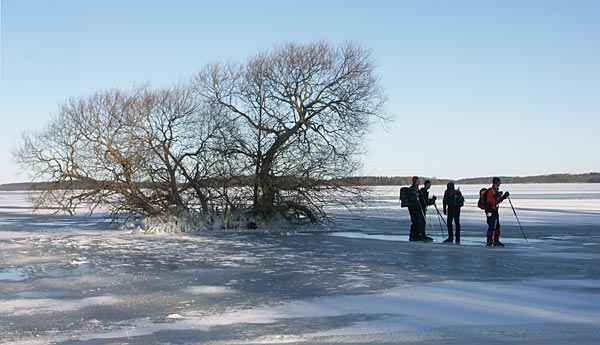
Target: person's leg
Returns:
[414, 226]
[423, 226]
[497, 231]
[491, 222]
[449, 223]
[457, 223]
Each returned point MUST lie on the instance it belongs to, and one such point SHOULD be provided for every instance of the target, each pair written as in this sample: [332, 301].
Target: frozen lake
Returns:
[80, 280]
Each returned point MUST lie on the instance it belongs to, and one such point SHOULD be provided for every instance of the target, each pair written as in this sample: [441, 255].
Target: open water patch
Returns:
[13, 274]
[21, 274]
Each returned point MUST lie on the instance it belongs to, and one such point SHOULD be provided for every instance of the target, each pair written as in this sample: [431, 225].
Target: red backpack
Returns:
[482, 203]
[457, 199]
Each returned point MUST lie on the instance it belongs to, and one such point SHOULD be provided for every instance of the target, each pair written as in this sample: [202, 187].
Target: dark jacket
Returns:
[413, 196]
[424, 199]
[450, 196]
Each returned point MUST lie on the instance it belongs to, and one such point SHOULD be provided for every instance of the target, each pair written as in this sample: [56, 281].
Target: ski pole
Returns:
[438, 211]
[431, 224]
[439, 221]
[442, 218]
[513, 208]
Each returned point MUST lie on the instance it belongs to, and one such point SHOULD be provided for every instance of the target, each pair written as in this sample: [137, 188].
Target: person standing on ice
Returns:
[493, 196]
[425, 201]
[414, 209]
[453, 201]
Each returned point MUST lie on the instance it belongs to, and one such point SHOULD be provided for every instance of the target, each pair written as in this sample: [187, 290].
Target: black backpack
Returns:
[404, 196]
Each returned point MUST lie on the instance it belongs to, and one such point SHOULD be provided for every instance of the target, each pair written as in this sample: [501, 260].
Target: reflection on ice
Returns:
[465, 240]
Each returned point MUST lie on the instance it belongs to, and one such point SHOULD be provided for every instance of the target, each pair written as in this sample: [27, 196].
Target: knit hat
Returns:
[415, 178]
[496, 180]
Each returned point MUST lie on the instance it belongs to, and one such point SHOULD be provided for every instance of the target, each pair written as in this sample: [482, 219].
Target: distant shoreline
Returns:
[593, 177]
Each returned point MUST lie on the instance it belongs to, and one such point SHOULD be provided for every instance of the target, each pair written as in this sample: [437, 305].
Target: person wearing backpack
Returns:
[492, 197]
[425, 201]
[453, 201]
[414, 209]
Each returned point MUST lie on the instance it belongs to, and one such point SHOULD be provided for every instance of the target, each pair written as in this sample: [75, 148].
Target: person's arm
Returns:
[503, 197]
[492, 200]
[422, 198]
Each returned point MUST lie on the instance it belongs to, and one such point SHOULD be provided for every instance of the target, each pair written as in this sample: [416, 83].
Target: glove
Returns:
[444, 212]
[434, 198]
[506, 194]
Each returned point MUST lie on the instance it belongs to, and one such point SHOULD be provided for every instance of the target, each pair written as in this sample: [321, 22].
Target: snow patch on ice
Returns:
[166, 224]
[209, 290]
[415, 308]
[199, 222]
[271, 339]
[47, 305]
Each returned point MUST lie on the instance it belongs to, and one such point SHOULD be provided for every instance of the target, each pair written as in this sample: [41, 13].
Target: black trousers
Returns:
[493, 221]
[417, 226]
[453, 216]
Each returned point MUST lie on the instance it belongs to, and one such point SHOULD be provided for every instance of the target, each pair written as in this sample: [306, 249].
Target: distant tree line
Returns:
[406, 180]
[362, 181]
[553, 178]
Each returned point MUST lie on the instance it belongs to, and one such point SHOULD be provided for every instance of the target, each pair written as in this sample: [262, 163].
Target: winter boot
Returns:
[490, 233]
[450, 236]
[497, 242]
[496, 236]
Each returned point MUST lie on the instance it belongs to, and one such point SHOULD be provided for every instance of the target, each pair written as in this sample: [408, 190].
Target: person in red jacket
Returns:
[494, 197]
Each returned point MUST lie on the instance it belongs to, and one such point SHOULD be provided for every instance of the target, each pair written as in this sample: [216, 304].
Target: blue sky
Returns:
[478, 88]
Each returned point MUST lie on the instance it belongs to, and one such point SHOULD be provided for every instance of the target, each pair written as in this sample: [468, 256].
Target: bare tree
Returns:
[306, 110]
[138, 152]
[275, 136]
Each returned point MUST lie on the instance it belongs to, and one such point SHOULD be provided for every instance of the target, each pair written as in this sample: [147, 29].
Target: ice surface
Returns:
[80, 280]
[38, 306]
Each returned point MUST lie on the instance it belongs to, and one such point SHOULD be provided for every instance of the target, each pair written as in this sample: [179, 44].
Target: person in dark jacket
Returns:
[452, 202]
[493, 197]
[425, 201]
[416, 216]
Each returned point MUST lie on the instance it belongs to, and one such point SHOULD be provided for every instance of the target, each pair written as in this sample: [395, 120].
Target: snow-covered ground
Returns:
[81, 280]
